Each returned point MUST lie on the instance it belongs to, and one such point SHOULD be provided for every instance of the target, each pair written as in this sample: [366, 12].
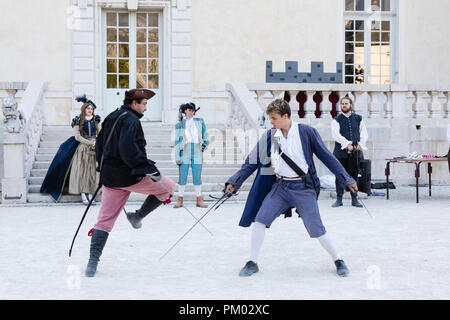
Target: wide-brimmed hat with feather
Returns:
[85, 100]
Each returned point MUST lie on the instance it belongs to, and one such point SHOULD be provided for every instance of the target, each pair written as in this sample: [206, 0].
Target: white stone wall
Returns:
[207, 44]
[233, 39]
[424, 44]
[35, 42]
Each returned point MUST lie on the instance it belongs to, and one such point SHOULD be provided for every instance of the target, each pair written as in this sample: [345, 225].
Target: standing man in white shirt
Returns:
[350, 133]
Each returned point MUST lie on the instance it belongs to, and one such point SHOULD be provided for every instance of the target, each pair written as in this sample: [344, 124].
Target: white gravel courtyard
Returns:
[402, 253]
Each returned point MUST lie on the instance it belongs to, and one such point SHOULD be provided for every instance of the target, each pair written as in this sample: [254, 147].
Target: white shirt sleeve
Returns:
[363, 135]
[337, 136]
[448, 134]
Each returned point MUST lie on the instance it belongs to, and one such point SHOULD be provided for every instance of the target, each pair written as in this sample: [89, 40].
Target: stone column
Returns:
[326, 105]
[14, 183]
[310, 105]
[293, 103]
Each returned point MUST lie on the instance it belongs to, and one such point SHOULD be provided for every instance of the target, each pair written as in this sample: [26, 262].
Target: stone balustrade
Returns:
[22, 132]
[400, 118]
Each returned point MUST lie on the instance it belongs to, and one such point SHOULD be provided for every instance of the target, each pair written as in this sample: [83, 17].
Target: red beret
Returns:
[135, 94]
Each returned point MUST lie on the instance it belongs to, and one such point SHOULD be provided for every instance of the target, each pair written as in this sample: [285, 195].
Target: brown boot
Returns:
[179, 203]
[200, 203]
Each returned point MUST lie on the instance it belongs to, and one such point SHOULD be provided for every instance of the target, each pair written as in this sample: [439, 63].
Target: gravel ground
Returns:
[401, 252]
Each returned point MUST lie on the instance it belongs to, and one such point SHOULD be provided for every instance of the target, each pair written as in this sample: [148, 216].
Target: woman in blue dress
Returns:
[74, 164]
[191, 139]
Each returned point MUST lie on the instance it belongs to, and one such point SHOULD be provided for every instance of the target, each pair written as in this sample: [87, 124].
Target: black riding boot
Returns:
[339, 194]
[355, 201]
[150, 204]
[98, 241]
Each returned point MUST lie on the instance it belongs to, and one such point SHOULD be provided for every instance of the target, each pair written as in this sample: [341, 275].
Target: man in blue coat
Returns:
[283, 183]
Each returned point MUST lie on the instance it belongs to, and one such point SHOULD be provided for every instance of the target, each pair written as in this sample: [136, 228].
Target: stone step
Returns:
[229, 170]
[220, 160]
[146, 127]
[155, 149]
[150, 143]
[161, 164]
[61, 137]
[220, 179]
[134, 197]
[206, 187]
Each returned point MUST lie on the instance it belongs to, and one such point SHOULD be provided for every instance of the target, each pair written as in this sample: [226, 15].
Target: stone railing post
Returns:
[399, 101]
[14, 183]
[421, 106]
[325, 105]
[294, 104]
[23, 128]
[310, 105]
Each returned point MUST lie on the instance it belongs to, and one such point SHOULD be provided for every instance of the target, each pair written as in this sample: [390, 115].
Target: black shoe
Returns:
[150, 204]
[98, 241]
[355, 201]
[357, 204]
[338, 202]
[249, 269]
[341, 268]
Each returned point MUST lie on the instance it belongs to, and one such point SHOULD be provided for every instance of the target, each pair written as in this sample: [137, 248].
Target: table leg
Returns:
[429, 178]
[417, 174]
[387, 172]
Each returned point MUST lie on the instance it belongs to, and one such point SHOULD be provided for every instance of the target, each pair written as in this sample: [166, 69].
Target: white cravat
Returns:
[191, 131]
[292, 147]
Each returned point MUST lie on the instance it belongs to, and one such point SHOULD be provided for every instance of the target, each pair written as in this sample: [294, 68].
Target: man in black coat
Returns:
[350, 135]
[125, 168]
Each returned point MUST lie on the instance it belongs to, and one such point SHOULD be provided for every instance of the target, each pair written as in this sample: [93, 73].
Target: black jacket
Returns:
[125, 158]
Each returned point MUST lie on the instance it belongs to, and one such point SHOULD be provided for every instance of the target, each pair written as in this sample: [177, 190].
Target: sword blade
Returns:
[364, 205]
[197, 220]
[189, 230]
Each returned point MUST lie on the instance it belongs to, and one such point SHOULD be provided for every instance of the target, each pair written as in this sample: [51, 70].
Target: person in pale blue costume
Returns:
[191, 139]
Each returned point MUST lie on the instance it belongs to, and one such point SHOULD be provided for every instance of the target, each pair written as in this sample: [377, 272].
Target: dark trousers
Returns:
[350, 165]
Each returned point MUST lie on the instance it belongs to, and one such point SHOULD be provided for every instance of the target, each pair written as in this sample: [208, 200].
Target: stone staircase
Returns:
[159, 148]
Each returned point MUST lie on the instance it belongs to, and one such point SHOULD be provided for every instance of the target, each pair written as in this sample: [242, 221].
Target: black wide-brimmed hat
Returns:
[189, 105]
[184, 107]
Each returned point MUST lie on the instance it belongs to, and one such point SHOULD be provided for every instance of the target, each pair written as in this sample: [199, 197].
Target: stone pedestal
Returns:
[14, 183]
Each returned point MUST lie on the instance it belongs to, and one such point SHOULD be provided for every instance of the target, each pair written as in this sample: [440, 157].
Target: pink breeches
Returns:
[114, 199]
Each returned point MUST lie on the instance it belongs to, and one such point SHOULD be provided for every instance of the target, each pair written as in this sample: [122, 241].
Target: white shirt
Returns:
[344, 142]
[191, 131]
[292, 147]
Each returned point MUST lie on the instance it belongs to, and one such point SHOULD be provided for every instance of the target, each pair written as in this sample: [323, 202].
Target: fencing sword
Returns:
[216, 205]
[82, 219]
[99, 184]
[233, 195]
[197, 219]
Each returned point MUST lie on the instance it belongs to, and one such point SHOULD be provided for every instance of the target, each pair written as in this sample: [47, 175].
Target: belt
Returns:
[281, 178]
[290, 178]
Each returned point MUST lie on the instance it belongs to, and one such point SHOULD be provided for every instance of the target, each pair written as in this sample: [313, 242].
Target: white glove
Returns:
[155, 176]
